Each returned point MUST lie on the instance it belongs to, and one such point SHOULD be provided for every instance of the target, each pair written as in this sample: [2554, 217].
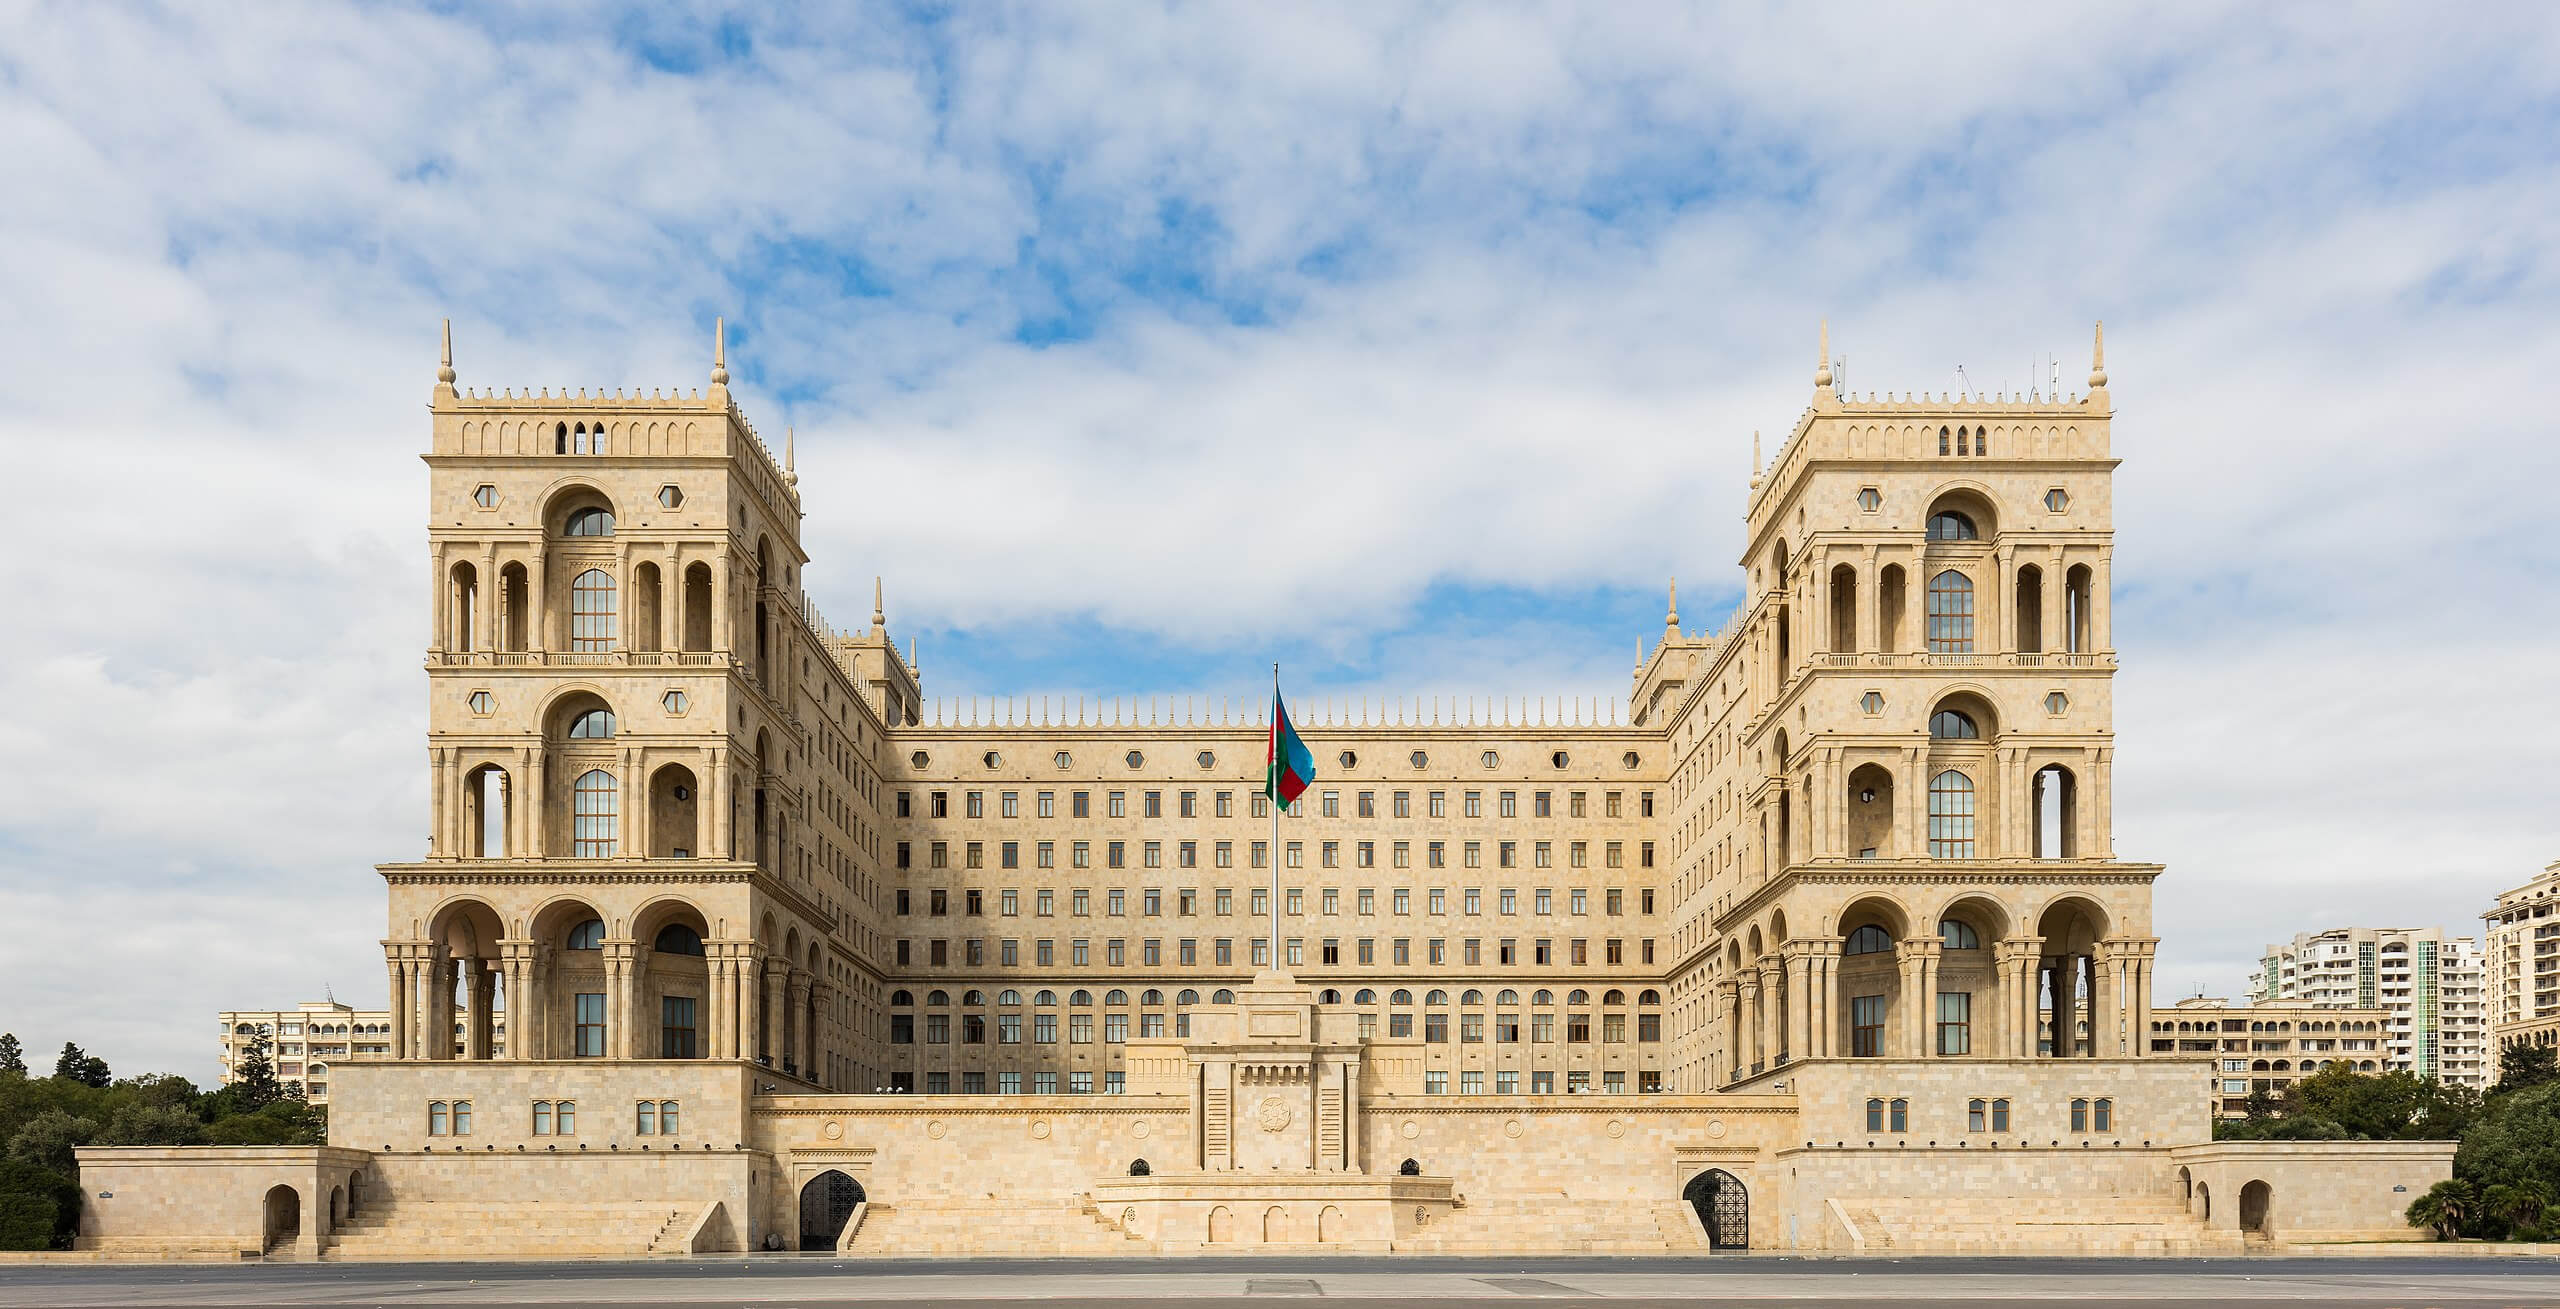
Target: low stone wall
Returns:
[2313, 1190]
[227, 1199]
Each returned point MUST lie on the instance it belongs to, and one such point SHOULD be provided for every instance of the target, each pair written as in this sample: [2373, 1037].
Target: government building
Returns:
[725, 939]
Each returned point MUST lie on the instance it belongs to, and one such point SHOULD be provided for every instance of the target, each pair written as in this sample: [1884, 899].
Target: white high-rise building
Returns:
[2430, 984]
[2524, 963]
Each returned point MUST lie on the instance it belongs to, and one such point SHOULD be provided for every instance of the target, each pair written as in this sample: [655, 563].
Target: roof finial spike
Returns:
[1671, 619]
[878, 615]
[790, 457]
[1822, 370]
[1755, 452]
[720, 351]
[444, 363]
[2098, 360]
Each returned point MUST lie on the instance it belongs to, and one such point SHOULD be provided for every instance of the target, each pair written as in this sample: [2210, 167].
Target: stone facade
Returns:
[2523, 965]
[1826, 923]
[2265, 1047]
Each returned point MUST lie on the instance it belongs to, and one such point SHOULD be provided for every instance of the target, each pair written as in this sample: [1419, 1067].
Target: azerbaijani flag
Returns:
[1290, 766]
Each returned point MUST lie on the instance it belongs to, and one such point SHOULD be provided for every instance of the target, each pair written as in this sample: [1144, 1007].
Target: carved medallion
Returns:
[1274, 1114]
[1039, 1129]
[1513, 1129]
[933, 1128]
[834, 1130]
[1139, 1129]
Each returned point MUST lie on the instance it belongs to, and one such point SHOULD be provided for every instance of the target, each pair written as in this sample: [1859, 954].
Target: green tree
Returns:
[13, 1057]
[2515, 1140]
[75, 1065]
[2522, 1065]
[2263, 1104]
[49, 1138]
[286, 1122]
[146, 1124]
[37, 1208]
[2446, 1206]
[2382, 1107]
[255, 1075]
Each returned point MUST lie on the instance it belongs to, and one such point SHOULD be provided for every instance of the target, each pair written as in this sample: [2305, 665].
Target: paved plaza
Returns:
[1353, 1281]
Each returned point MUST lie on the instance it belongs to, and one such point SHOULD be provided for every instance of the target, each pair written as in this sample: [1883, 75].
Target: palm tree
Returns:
[2444, 1207]
[2521, 1204]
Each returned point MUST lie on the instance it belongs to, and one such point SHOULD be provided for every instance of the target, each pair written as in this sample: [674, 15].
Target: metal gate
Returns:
[825, 1203]
[1724, 1208]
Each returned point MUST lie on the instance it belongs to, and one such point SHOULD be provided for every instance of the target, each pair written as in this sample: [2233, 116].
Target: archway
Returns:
[1871, 811]
[2254, 1201]
[1275, 1225]
[337, 1207]
[1329, 1226]
[2204, 1202]
[1724, 1208]
[826, 1202]
[1222, 1225]
[283, 1217]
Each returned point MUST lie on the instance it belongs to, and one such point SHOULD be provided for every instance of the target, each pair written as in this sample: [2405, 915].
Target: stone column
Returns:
[1911, 833]
[721, 622]
[1747, 1046]
[2101, 620]
[617, 994]
[795, 1019]
[778, 1045]
[633, 842]
[637, 1013]
[1822, 1007]
[537, 617]
[1800, 1002]
[404, 997]
[1729, 998]
[1913, 958]
[1870, 605]
[438, 1033]
[479, 992]
[537, 807]
[484, 610]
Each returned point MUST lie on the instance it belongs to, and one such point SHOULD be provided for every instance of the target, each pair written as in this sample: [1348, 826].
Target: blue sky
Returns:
[1137, 345]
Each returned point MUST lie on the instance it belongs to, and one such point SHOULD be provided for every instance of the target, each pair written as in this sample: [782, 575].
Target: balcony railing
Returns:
[580, 658]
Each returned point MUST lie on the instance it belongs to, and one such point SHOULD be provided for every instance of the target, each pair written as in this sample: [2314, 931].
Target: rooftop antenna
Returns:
[1964, 384]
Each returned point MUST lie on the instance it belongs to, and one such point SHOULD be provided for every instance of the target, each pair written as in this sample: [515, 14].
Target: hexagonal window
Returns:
[2057, 500]
[1134, 759]
[1872, 702]
[486, 497]
[919, 759]
[1491, 760]
[483, 703]
[1870, 499]
[1207, 760]
[676, 702]
[1420, 760]
[1063, 759]
[1629, 759]
[2056, 703]
[1349, 760]
[991, 759]
[671, 497]
[1559, 759]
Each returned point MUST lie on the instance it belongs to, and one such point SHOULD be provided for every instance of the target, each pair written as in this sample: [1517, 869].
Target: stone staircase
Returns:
[1556, 1224]
[991, 1227]
[454, 1229]
[2094, 1224]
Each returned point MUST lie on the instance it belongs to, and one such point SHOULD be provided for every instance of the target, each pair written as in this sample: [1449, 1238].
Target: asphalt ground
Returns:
[1444, 1283]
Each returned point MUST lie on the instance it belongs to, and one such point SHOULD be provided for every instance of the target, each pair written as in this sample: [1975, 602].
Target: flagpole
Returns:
[1274, 800]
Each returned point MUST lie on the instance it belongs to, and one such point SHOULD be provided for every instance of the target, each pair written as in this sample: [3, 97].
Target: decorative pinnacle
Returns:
[1755, 452]
[1822, 370]
[444, 366]
[2098, 360]
[878, 616]
[1672, 618]
[790, 456]
[719, 352]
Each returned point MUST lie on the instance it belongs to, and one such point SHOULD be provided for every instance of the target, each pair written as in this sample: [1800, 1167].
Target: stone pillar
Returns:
[1747, 1055]
[1913, 1006]
[617, 993]
[721, 622]
[1822, 1015]
[516, 958]
[2101, 620]
[537, 806]
[1911, 831]
[473, 980]
[1729, 1001]
[637, 1013]
[715, 1018]
[1800, 1002]
[1869, 605]
[404, 997]
[537, 617]
[440, 805]
[484, 610]
[777, 1045]
[437, 1035]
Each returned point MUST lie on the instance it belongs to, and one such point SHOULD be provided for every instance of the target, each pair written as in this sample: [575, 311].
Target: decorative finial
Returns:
[790, 456]
[1822, 371]
[878, 615]
[2098, 360]
[1755, 452]
[444, 366]
[1672, 618]
[719, 352]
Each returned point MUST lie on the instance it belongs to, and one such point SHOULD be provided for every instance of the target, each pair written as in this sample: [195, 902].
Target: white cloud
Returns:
[1363, 301]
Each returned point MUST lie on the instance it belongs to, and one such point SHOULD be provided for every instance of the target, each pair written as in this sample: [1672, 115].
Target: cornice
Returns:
[1878, 873]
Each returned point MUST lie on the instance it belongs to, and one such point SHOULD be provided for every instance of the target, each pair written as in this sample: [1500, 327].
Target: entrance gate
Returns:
[1724, 1208]
[825, 1203]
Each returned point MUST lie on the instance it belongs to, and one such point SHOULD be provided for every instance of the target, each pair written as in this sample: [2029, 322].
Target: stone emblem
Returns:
[1274, 1114]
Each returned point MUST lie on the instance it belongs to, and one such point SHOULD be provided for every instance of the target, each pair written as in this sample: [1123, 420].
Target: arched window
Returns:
[1953, 725]
[1952, 525]
[676, 938]
[593, 725]
[1188, 996]
[589, 522]
[588, 935]
[1951, 613]
[596, 816]
[902, 999]
[591, 611]
[1869, 939]
[1951, 816]
[1364, 996]
[1222, 996]
[1400, 996]
[1956, 934]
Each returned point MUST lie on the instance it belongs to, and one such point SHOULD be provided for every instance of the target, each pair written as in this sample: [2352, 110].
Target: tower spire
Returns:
[720, 351]
[1822, 369]
[790, 456]
[878, 615]
[444, 362]
[2098, 359]
[1671, 619]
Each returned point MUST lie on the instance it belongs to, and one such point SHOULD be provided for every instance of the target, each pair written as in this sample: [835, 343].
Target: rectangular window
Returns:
[1510, 804]
[1119, 804]
[1542, 1083]
[1048, 805]
[1439, 804]
[1403, 952]
[2000, 1115]
[462, 1118]
[1368, 804]
[675, 1027]
[1333, 854]
[1866, 1026]
[590, 1024]
[1471, 1082]
[1333, 804]
[1189, 804]
[1010, 804]
[1475, 804]
[1404, 804]
[1402, 899]
[1436, 855]
[1080, 804]
[1955, 1022]
[977, 804]
[1008, 1083]
[1435, 1082]
[1542, 805]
